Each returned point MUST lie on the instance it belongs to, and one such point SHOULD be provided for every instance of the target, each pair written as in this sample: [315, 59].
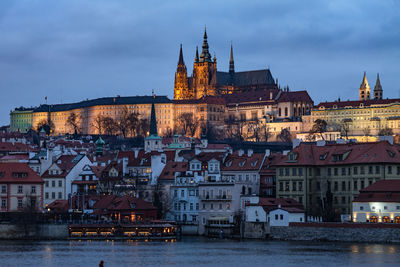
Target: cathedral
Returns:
[207, 81]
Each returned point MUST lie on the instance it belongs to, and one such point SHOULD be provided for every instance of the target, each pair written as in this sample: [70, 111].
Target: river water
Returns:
[196, 251]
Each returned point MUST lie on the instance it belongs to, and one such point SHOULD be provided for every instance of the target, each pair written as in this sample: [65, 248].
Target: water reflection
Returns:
[194, 252]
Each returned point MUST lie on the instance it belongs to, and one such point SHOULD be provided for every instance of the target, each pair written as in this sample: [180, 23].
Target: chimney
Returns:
[124, 165]
[197, 151]
[240, 152]
[267, 153]
[296, 142]
[270, 95]
[136, 153]
[249, 152]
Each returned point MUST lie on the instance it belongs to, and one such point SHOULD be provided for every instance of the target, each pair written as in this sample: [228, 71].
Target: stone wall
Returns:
[257, 230]
[35, 231]
[339, 232]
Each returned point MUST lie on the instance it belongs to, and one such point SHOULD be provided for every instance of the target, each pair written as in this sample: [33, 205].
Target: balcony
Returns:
[218, 197]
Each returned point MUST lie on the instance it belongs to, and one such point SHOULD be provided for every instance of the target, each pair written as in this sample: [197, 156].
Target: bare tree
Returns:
[284, 135]
[345, 128]
[98, 123]
[109, 126]
[265, 132]
[319, 127]
[74, 121]
[385, 132]
[143, 127]
[188, 123]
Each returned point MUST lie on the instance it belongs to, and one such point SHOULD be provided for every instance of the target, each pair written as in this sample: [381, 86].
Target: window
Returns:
[355, 185]
[4, 203]
[377, 169]
[182, 193]
[220, 206]
[343, 186]
[204, 206]
[53, 183]
[371, 169]
[184, 206]
[3, 189]
[318, 172]
[362, 184]
[60, 183]
[343, 171]
[355, 170]
[212, 206]
[59, 195]
[47, 183]
[329, 172]
[300, 171]
[361, 208]
[19, 203]
[191, 206]
[300, 186]
[46, 195]
[362, 170]
[287, 186]
[294, 172]
[281, 216]
[53, 195]
[280, 171]
[385, 207]
[286, 171]
[176, 193]
[336, 171]
[335, 186]
[389, 169]
[280, 186]
[197, 206]
[343, 200]
[294, 186]
[318, 186]
[19, 189]
[276, 217]
[33, 189]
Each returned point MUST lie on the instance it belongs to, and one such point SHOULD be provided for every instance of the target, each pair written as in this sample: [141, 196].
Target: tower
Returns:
[231, 68]
[365, 90]
[378, 91]
[153, 141]
[203, 71]
[181, 88]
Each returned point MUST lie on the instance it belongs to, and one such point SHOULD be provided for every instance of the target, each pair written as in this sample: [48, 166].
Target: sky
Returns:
[71, 50]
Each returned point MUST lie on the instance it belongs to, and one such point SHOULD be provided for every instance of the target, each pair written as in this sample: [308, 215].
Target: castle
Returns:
[206, 80]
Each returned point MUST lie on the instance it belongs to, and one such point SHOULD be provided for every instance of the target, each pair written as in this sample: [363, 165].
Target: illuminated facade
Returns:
[207, 81]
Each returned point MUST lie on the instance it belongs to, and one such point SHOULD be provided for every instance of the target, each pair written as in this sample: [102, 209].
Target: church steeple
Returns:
[231, 62]
[205, 54]
[181, 88]
[378, 91]
[153, 120]
[196, 59]
[365, 90]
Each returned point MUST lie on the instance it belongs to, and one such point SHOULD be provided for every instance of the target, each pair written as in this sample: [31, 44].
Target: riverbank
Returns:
[338, 232]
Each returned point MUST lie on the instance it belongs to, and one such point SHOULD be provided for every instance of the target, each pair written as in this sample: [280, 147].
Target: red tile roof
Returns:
[16, 147]
[352, 153]
[122, 203]
[295, 96]
[269, 203]
[7, 171]
[380, 191]
[168, 173]
[357, 103]
[234, 162]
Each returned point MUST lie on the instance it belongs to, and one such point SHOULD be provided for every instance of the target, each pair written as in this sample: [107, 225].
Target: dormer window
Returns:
[241, 164]
[254, 163]
[229, 163]
[323, 156]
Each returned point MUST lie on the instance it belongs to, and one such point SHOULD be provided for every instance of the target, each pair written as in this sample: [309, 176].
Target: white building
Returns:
[284, 216]
[378, 203]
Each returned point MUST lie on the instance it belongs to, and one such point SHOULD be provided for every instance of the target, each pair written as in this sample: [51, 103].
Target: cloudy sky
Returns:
[70, 50]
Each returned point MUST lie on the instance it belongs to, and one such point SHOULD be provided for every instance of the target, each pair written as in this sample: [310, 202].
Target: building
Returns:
[21, 188]
[327, 177]
[378, 203]
[206, 80]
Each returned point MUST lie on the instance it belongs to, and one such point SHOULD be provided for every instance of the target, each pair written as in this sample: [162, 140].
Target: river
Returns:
[196, 251]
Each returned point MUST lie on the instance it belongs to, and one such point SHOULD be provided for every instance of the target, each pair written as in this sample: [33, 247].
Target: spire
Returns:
[180, 61]
[364, 83]
[231, 62]
[153, 120]
[364, 90]
[205, 54]
[196, 59]
[378, 91]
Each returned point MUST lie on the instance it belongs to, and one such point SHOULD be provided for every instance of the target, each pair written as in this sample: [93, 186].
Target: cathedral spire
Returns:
[205, 54]
[196, 59]
[378, 91]
[231, 62]
[180, 61]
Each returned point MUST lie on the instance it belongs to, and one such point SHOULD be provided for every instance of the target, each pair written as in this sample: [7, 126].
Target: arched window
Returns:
[286, 111]
[280, 112]
[373, 219]
[386, 219]
[397, 219]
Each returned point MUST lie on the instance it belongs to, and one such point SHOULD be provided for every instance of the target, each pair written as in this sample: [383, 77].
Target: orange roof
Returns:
[380, 191]
[168, 173]
[234, 162]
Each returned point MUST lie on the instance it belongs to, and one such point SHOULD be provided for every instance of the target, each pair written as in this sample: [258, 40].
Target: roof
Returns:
[262, 96]
[234, 162]
[128, 100]
[66, 163]
[380, 191]
[7, 171]
[269, 203]
[168, 173]
[15, 147]
[244, 78]
[59, 206]
[308, 154]
[295, 96]
[215, 100]
[357, 103]
[122, 203]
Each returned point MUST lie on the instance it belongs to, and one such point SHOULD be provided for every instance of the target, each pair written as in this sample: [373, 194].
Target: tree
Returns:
[284, 135]
[98, 123]
[385, 132]
[319, 126]
[74, 122]
[265, 132]
[254, 130]
[143, 126]
[109, 126]
[345, 128]
[188, 123]
[46, 125]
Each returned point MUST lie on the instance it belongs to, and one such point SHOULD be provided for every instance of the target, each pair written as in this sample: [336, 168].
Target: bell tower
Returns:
[378, 91]
[365, 90]
[181, 88]
[203, 71]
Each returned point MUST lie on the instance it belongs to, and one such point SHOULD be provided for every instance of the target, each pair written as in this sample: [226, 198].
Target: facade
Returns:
[206, 80]
[21, 188]
[284, 216]
[329, 176]
[378, 203]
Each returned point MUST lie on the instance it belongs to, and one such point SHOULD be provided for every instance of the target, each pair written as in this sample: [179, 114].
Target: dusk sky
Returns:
[70, 50]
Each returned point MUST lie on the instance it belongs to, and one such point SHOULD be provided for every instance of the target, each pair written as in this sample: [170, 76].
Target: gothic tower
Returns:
[203, 71]
[231, 68]
[378, 91]
[365, 90]
[181, 88]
